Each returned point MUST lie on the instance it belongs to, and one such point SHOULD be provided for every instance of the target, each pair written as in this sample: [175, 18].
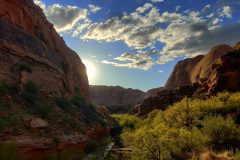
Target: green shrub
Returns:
[4, 122]
[31, 87]
[3, 89]
[13, 88]
[93, 145]
[185, 129]
[30, 91]
[69, 154]
[8, 152]
[223, 132]
[183, 114]
[63, 103]
[126, 121]
[79, 101]
[25, 67]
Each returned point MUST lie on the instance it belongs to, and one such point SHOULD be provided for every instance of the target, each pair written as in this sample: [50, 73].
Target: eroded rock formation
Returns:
[27, 38]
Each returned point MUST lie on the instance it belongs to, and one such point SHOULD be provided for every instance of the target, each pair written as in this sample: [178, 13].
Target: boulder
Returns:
[38, 123]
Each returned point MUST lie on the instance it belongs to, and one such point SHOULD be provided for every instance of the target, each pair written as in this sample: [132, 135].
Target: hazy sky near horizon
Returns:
[136, 43]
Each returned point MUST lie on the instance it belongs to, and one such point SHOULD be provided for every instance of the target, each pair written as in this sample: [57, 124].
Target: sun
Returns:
[91, 70]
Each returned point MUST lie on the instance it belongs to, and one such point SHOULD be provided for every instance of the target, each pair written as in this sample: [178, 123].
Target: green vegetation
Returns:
[8, 152]
[185, 130]
[3, 89]
[30, 91]
[25, 67]
[69, 154]
[63, 103]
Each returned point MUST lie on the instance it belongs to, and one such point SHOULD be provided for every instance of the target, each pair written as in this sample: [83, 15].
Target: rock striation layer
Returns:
[28, 39]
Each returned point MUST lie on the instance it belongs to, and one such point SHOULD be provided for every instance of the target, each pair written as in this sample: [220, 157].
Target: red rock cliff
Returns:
[195, 70]
[26, 37]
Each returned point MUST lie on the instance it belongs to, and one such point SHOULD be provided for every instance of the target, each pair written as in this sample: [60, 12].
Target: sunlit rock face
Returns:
[215, 72]
[195, 70]
[26, 37]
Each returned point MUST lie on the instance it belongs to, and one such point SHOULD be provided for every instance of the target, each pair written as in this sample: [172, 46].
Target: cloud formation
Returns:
[185, 34]
[93, 8]
[157, 1]
[154, 37]
[138, 30]
[65, 18]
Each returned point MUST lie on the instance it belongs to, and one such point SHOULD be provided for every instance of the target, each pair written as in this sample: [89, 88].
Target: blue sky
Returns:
[136, 43]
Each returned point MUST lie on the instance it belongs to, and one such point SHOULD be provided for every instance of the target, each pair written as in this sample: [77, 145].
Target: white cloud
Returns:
[207, 8]
[39, 3]
[160, 71]
[141, 60]
[65, 18]
[138, 30]
[185, 34]
[178, 8]
[93, 8]
[226, 12]
[157, 1]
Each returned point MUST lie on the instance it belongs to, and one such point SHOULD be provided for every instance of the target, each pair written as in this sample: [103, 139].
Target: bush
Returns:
[223, 132]
[3, 89]
[69, 154]
[4, 122]
[183, 114]
[63, 103]
[25, 67]
[30, 91]
[79, 101]
[185, 129]
[128, 121]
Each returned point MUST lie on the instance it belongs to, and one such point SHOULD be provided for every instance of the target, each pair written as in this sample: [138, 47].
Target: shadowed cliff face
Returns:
[26, 37]
[115, 95]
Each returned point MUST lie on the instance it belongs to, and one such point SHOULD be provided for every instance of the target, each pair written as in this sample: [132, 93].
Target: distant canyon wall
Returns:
[114, 95]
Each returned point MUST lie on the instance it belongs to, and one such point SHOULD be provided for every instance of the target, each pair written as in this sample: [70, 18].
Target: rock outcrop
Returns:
[153, 92]
[114, 95]
[225, 75]
[28, 39]
[163, 99]
[195, 70]
[216, 71]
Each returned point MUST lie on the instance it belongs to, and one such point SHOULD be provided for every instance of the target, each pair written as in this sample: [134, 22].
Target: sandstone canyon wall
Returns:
[27, 38]
[114, 95]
